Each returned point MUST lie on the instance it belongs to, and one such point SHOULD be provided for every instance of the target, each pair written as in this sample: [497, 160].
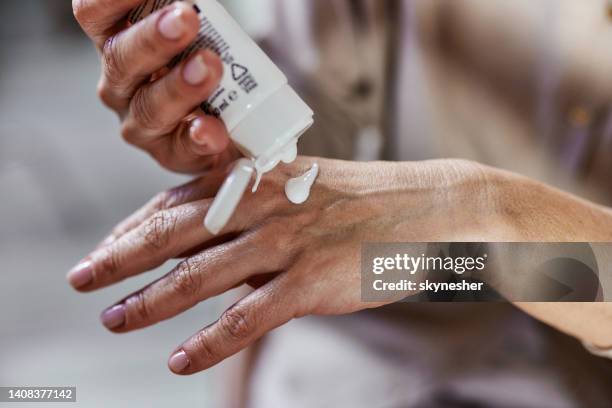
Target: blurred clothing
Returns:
[404, 80]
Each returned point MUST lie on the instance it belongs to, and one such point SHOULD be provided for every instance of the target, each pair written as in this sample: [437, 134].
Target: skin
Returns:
[157, 107]
[312, 251]
[312, 262]
[458, 35]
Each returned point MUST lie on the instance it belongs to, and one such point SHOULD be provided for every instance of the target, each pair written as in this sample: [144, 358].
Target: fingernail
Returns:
[171, 25]
[113, 317]
[80, 275]
[178, 362]
[196, 134]
[195, 71]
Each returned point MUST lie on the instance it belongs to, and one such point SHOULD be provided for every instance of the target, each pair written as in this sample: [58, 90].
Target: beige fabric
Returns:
[458, 79]
[343, 73]
[517, 79]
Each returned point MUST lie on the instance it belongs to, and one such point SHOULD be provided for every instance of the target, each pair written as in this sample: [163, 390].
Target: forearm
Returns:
[455, 200]
[479, 203]
[540, 213]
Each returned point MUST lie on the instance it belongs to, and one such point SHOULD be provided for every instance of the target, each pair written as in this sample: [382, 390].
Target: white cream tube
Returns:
[264, 115]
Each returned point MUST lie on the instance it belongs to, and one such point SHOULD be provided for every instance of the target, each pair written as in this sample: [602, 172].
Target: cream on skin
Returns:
[298, 189]
[219, 214]
[287, 156]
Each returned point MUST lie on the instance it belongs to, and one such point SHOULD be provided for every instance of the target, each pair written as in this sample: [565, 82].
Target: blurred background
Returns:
[527, 90]
[66, 178]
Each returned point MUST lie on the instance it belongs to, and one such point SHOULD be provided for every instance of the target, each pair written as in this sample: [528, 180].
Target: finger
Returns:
[163, 236]
[178, 151]
[160, 106]
[99, 17]
[193, 280]
[263, 310]
[196, 190]
[130, 57]
[208, 135]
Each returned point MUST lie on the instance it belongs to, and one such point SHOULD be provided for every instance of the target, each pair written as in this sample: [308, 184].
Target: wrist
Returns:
[507, 204]
[457, 200]
[486, 200]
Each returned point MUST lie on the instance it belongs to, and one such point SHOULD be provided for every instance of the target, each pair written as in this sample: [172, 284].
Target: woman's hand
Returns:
[158, 108]
[303, 259]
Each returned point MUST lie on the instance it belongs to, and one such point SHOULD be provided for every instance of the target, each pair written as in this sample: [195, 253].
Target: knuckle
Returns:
[236, 323]
[173, 93]
[142, 113]
[129, 132]
[139, 303]
[170, 198]
[87, 14]
[78, 9]
[146, 40]
[105, 94]
[186, 279]
[112, 61]
[109, 262]
[159, 228]
[161, 201]
[81, 10]
[205, 347]
[276, 236]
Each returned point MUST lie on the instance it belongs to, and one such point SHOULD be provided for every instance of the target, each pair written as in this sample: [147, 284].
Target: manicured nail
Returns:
[195, 71]
[178, 362]
[81, 275]
[171, 24]
[113, 317]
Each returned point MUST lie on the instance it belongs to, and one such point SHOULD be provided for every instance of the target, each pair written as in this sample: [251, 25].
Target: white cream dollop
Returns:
[287, 156]
[298, 189]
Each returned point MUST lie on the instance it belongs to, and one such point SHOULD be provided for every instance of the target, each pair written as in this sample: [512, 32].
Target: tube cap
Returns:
[229, 196]
[273, 124]
[267, 135]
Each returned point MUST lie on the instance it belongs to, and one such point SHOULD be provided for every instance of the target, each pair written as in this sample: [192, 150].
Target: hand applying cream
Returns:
[263, 114]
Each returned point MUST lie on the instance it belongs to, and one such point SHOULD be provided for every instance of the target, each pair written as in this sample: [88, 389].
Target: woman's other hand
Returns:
[158, 108]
